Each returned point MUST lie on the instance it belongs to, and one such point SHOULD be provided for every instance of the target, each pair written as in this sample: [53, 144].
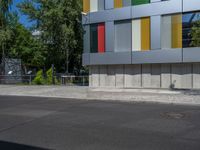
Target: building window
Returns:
[191, 29]
[97, 38]
[139, 2]
[123, 36]
[93, 5]
[171, 31]
[141, 34]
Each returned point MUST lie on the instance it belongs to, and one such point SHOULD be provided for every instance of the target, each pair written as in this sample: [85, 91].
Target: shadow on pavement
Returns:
[14, 146]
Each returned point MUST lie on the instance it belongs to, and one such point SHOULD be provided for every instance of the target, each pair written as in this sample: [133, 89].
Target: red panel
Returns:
[101, 38]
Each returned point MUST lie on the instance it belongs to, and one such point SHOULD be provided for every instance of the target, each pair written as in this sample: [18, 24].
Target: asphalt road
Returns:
[28, 123]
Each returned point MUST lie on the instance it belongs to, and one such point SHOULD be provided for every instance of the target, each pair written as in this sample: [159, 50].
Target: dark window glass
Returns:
[191, 29]
[139, 2]
[94, 38]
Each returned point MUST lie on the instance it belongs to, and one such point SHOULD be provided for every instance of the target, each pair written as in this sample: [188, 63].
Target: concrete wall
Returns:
[181, 76]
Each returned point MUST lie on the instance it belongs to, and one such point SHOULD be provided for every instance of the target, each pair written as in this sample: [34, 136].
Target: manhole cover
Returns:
[173, 115]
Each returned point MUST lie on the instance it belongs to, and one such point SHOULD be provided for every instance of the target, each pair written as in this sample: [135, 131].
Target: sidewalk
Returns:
[185, 97]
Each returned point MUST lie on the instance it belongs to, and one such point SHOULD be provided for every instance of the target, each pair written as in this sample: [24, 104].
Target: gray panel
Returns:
[101, 5]
[86, 59]
[191, 54]
[157, 56]
[153, 1]
[122, 13]
[86, 19]
[110, 58]
[111, 15]
[155, 32]
[110, 32]
[109, 4]
[126, 3]
[156, 8]
[191, 5]
[163, 7]
[86, 39]
[102, 16]
[123, 36]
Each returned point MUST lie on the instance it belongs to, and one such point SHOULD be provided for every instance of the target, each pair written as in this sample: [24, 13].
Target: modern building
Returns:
[142, 43]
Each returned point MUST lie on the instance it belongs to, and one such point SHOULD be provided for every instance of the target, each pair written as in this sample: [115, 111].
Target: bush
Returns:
[49, 77]
[39, 79]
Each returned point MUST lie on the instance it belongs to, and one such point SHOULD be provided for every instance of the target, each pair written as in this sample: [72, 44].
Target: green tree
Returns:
[21, 44]
[4, 11]
[4, 32]
[195, 34]
[59, 22]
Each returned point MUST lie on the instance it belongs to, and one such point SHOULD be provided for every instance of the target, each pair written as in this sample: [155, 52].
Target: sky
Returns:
[23, 19]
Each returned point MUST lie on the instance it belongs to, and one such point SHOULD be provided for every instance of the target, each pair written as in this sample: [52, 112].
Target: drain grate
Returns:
[173, 115]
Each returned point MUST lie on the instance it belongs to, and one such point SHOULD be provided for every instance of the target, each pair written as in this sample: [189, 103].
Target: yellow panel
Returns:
[118, 3]
[177, 31]
[86, 6]
[145, 34]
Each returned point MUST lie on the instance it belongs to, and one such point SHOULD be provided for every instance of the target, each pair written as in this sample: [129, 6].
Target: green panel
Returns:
[139, 2]
[94, 38]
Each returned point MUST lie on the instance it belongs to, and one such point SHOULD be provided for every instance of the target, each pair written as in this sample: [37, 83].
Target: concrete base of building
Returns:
[174, 76]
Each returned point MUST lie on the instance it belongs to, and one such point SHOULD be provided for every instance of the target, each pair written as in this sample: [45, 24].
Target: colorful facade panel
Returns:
[86, 6]
[97, 38]
[101, 38]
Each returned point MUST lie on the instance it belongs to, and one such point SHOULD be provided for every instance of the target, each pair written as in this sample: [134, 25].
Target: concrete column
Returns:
[137, 76]
[102, 75]
[95, 76]
[146, 76]
[165, 76]
[111, 76]
[176, 75]
[156, 76]
[119, 71]
[128, 76]
[187, 76]
[196, 75]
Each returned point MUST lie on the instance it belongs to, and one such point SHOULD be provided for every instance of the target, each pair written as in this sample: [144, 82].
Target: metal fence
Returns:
[13, 79]
[61, 80]
[75, 80]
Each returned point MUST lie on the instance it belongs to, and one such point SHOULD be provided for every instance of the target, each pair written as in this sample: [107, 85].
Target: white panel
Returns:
[136, 35]
[166, 32]
[93, 5]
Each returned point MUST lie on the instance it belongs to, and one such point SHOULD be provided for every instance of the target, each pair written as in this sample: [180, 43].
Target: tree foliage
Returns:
[59, 41]
[195, 34]
[59, 22]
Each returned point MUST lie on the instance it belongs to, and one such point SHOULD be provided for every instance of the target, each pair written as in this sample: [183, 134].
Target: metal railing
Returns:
[16, 79]
[62, 80]
[75, 80]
